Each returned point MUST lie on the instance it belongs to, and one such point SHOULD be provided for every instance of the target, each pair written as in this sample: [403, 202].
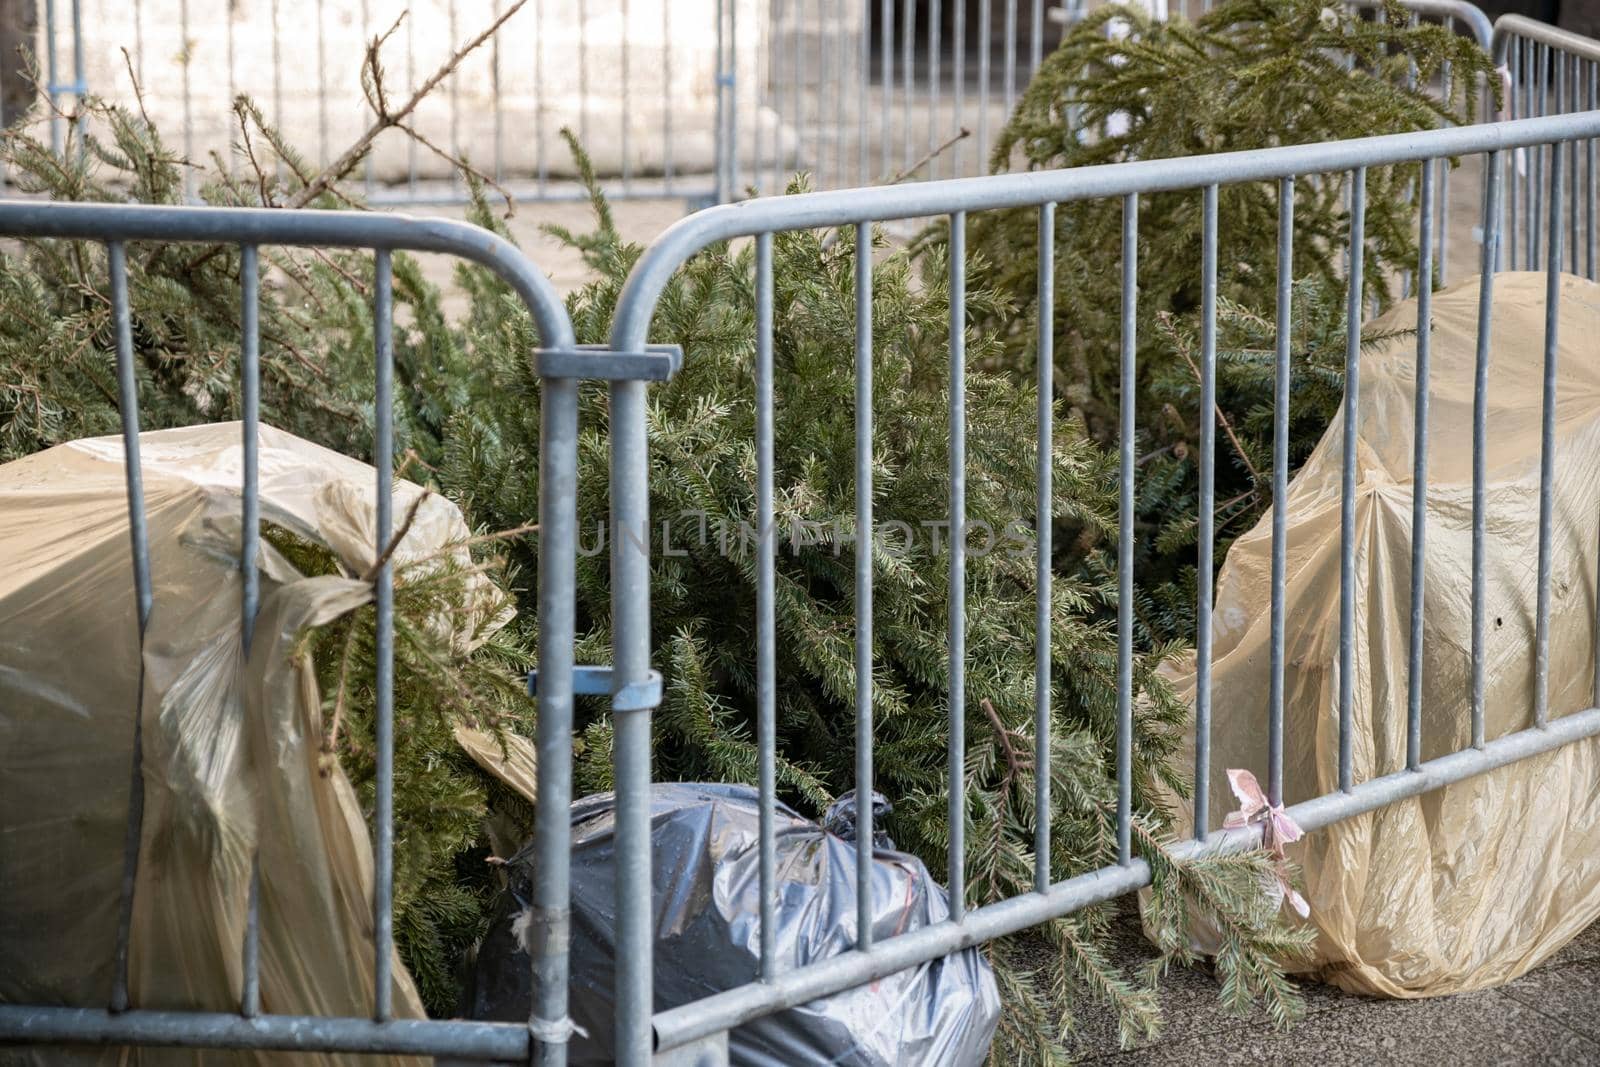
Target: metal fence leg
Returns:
[707, 1052]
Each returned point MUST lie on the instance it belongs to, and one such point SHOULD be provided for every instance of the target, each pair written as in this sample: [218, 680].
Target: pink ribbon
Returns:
[1278, 828]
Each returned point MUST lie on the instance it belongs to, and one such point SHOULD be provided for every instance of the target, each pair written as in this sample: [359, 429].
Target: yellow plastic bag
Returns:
[230, 746]
[1473, 884]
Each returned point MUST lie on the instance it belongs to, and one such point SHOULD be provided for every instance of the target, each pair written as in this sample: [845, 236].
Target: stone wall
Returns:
[637, 77]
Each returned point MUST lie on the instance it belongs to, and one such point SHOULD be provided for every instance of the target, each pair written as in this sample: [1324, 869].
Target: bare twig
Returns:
[138, 90]
[1227, 426]
[452, 547]
[385, 118]
[330, 742]
[460, 162]
[1015, 764]
[371, 572]
[250, 153]
[961, 134]
[931, 155]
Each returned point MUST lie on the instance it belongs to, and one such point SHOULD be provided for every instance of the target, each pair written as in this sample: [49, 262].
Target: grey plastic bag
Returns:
[706, 897]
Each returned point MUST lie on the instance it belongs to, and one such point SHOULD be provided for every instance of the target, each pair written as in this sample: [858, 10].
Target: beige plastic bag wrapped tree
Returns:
[230, 746]
[1473, 884]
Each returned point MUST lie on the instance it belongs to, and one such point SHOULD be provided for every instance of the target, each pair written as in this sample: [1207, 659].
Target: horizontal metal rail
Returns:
[1508, 28]
[1033, 188]
[296, 1033]
[722, 1011]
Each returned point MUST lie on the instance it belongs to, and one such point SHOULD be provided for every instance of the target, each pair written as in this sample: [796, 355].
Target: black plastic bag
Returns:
[706, 895]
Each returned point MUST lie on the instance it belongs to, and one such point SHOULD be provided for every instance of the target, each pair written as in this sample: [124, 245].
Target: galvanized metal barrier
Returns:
[123, 1022]
[921, 89]
[640, 1029]
[855, 92]
[265, 54]
[1548, 71]
[697, 1032]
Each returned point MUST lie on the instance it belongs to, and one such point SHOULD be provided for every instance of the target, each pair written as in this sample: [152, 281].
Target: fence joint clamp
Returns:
[657, 363]
[593, 681]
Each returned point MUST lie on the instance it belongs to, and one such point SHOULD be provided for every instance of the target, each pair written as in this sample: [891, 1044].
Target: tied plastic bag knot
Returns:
[841, 817]
[557, 1032]
[1278, 828]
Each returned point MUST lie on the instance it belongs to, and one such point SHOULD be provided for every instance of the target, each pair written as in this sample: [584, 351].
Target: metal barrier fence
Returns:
[703, 1025]
[922, 91]
[559, 367]
[641, 82]
[699, 1030]
[853, 91]
[1548, 71]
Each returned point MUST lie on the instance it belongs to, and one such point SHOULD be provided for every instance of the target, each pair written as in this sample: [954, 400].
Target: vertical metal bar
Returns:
[1560, 78]
[1536, 191]
[1589, 174]
[985, 47]
[630, 612]
[1480, 435]
[277, 83]
[732, 151]
[719, 147]
[1206, 519]
[78, 78]
[960, 62]
[583, 70]
[368, 166]
[797, 84]
[835, 20]
[1127, 446]
[188, 101]
[864, 586]
[249, 548]
[499, 108]
[865, 61]
[1280, 484]
[455, 100]
[666, 97]
[138, 44]
[1441, 261]
[935, 61]
[766, 624]
[322, 87]
[1419, 471]
[1011, 56]
[558, 522]
[1355, 286]
[1442, 224]
[886, 81]
[1547, 445]
[774, 82]
[908, 52]
[52, 91]
[411, 86]
[1571, 152]
[1044, 573]
[383, 806]
[128, 407]
[250, 404]
[540, 162]
[1036, 39]
[823, 79]
[1514, 107]
[627, 107]
[958, 566]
